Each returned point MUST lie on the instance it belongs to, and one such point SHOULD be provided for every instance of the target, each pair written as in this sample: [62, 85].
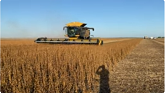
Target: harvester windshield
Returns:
[72, 31]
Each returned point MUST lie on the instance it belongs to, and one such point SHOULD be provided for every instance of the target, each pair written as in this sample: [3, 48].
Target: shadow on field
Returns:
[104, 79]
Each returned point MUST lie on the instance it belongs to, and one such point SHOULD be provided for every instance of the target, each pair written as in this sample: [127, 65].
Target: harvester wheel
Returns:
[101, 42]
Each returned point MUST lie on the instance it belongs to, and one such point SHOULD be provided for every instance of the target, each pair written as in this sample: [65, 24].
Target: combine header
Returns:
[76, 32]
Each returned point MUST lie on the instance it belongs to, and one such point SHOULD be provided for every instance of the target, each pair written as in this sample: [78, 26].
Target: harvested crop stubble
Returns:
[45, 68]
[160, 40]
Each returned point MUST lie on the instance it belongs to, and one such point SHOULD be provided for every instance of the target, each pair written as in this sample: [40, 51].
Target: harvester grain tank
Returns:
[76, 33]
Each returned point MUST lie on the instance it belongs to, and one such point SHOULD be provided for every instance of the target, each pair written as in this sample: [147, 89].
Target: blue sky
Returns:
[110, 18]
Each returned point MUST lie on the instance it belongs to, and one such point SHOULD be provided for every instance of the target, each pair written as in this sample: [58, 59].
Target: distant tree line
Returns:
[160, 37]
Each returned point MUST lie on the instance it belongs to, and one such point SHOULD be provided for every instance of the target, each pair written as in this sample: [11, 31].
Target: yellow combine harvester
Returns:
[76, 32]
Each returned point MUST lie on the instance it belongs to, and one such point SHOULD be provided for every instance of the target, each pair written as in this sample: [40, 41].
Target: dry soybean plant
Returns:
[44, 68]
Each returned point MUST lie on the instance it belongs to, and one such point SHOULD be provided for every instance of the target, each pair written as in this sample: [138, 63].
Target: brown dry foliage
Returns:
[27, 67]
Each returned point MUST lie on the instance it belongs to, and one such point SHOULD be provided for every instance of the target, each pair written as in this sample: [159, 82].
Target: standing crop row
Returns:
[45, 68]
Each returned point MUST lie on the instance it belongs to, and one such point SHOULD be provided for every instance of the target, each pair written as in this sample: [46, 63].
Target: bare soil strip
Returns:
[142, 71]
[109, 41]
[160, 42]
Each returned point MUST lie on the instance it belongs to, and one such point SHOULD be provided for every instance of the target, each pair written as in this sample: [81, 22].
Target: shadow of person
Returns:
[104, 79]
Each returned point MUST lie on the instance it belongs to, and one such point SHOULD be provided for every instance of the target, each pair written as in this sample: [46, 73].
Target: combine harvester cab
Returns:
[76, 33]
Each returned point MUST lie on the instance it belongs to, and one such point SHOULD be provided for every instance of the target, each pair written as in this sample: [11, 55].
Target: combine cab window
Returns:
[72, 31]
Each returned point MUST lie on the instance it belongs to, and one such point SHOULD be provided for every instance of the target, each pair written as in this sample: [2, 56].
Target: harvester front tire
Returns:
[101, 42]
